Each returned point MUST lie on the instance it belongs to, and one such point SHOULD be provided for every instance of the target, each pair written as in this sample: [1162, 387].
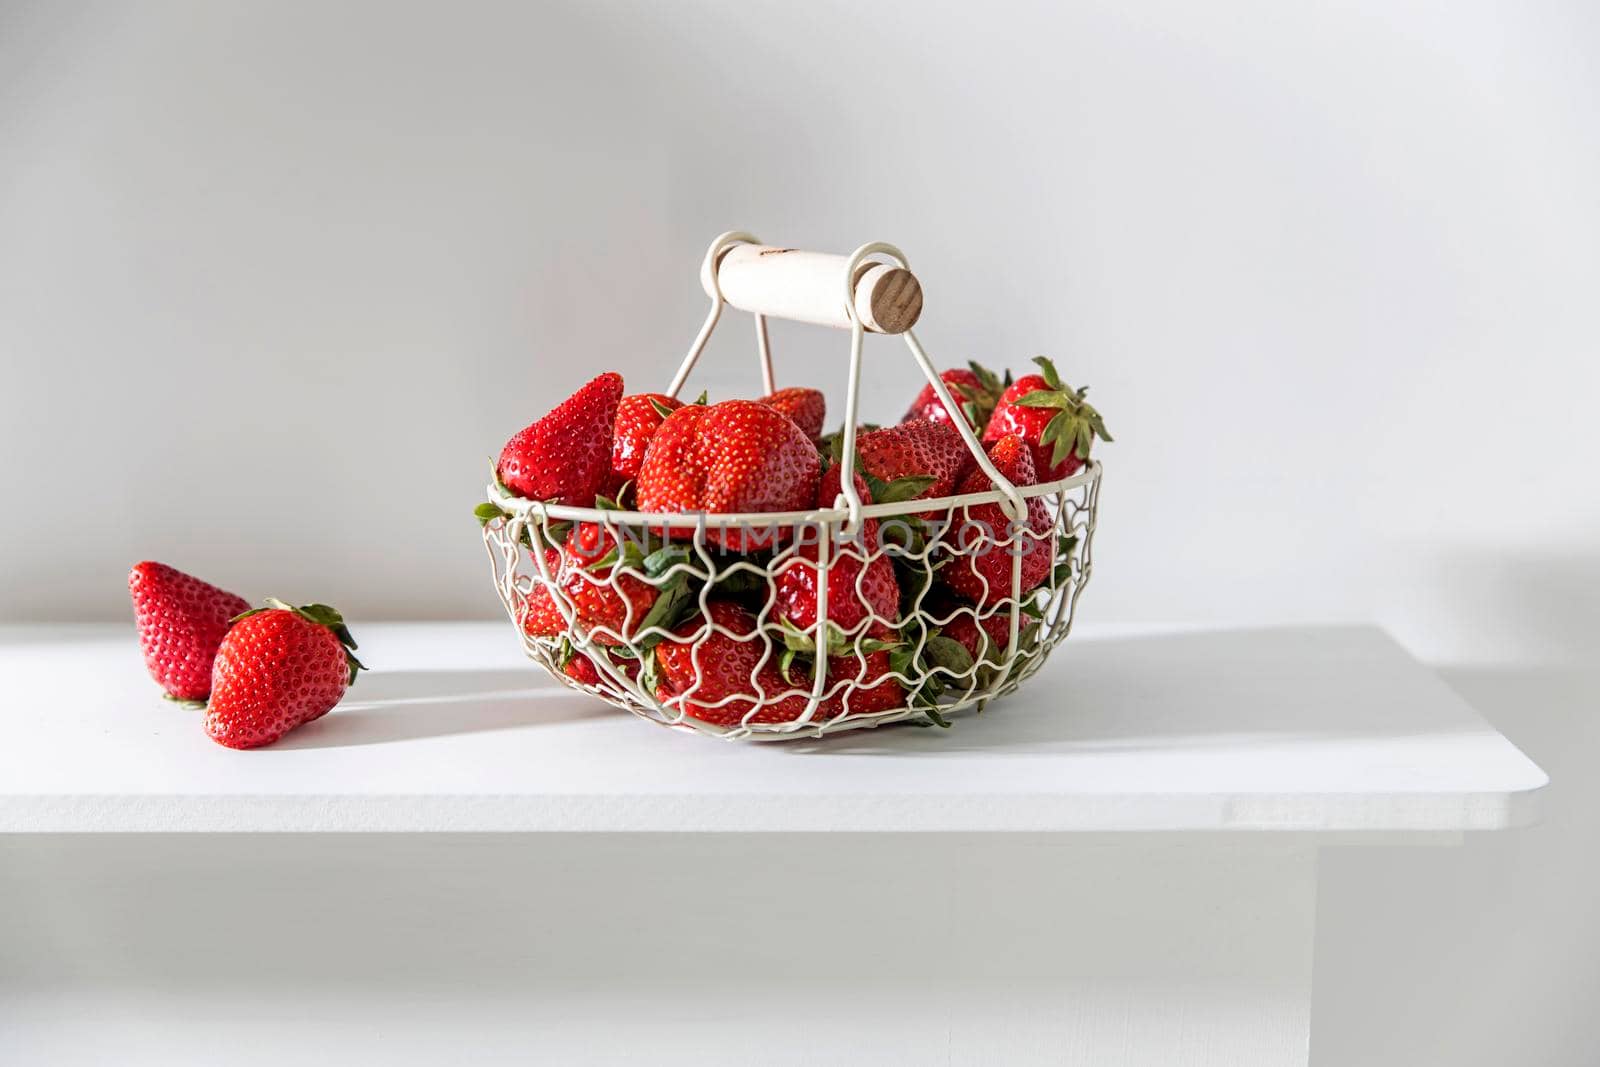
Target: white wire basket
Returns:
[687, 633]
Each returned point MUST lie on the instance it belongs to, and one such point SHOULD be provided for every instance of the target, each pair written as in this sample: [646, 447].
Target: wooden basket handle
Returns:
[787, 283]
[843, 291]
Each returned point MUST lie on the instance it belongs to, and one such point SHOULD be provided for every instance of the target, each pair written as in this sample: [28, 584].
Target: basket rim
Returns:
[688, 520]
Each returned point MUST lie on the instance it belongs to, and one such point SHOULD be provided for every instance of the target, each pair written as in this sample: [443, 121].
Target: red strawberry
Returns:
[916, 448]
[975, 390]
[1054, 419]
[807, 407]
[602, 598]
[278, 668]
[638, 418]
[577, 666]
[875, 688]
[982, 572]
[565, 457]
[984, 638]
[181, 621]
[581, 668]
[856, 588]
[540, 616]
[697, 671]
[738, 455]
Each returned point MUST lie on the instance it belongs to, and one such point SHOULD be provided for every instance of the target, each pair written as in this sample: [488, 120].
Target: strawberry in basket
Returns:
[638, 418]
[807, 407]
[1054, 419]
[975, 389]
[736, 456]
[720, 675]
[860, 578]
[984, 539]
[916, 449]
[871, 686]
[565, 457]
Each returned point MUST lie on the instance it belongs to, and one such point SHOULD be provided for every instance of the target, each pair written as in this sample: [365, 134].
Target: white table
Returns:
[1115, 866]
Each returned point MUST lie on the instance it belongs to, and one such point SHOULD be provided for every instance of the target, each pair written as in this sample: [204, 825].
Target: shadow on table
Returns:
[406, 705]
[1266, 687]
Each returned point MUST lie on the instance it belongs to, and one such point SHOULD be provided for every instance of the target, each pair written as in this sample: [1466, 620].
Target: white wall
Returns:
[276, 279]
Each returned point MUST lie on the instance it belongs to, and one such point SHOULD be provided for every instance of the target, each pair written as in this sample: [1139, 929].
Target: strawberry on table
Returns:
[279, 667]
[975, 388]
[984, 538]
[736, 456]
[181, 620]
[565, 457]
[807, 407]
[1054, 419]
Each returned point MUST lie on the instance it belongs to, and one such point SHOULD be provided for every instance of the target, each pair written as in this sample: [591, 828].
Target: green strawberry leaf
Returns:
[1046, 398]
[672, 605]
[900, 661]
[986, 377]
[702, 399]
[564, 653]
[948, 654]
[649, 672]
[1048, 369]
[908, 487]
[796, 639]
[664, 559]
[608, 560]
[661, 409]
[487, 513]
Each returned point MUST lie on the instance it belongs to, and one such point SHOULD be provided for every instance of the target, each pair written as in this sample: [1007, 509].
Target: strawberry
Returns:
[181, 621]
[540, 616]
[976, 390]
[982, 570]
[739, 455]
[713, 676]
[1054, 419]
[919, 448]
[565, 457]
[603, 599]
[581, 668]
[860, 579]
[278, 668]
[807, 407]
[874, 687]
[638, 418]
[984, 638]
[576, 665]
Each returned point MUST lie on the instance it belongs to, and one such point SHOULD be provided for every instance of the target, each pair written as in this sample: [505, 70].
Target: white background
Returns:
[277, 279]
